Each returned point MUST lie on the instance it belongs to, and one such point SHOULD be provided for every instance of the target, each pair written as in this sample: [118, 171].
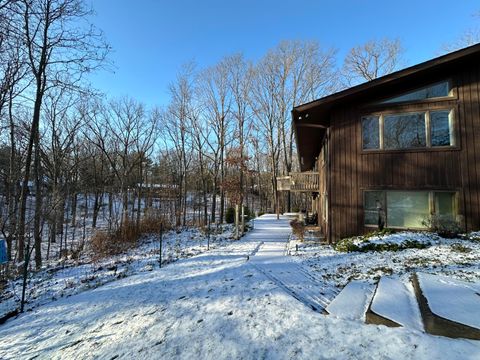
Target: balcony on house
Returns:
[299, 181]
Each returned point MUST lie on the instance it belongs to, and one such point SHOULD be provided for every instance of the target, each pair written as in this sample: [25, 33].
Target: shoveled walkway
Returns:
[270, 259]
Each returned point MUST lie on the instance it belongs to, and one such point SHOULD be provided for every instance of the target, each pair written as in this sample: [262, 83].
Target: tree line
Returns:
[73, 159]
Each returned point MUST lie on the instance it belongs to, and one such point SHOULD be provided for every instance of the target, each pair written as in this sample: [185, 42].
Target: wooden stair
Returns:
[443, 304]
[393, 304]
[429, 303]
[352, 302]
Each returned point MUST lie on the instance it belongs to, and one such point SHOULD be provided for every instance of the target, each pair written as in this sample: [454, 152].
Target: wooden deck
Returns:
[300, 181]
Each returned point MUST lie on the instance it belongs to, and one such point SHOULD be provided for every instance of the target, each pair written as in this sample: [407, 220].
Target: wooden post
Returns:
[236, 222]
[161, 238]
[278, 207]
[208, 234]
[243, 219]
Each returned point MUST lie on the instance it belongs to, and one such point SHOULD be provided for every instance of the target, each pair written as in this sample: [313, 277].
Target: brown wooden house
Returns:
[402, 147]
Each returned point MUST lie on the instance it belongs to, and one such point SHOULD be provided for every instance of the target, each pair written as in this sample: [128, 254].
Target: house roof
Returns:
[311, 120]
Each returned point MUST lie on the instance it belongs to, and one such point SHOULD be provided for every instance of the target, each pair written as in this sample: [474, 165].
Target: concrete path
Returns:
[270, 259]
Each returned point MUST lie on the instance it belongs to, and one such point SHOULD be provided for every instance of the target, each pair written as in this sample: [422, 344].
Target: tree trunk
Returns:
[96, 208]
[12, 187]
[28, 163]
[74, 209]
[38, 205]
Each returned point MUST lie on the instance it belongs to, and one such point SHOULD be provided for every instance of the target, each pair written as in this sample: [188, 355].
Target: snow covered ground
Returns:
[233, 302]
[453, 257]
[66, 277]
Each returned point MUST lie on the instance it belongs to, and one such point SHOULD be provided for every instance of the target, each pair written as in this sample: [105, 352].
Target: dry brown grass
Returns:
[298, 229]
[152, 222]
[105, 243]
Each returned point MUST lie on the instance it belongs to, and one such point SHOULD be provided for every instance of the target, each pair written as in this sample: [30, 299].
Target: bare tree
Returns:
[61, 129]
[125, 135]
[175, 128]
[294, 72]
[265, 108]
[216, 99]
[60, 48]
[240, 83]
[372, 60]
[469, 37]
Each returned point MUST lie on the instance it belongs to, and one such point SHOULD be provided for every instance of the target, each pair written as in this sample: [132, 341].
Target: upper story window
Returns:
[438, 90]
[426, 129]
[404, 131]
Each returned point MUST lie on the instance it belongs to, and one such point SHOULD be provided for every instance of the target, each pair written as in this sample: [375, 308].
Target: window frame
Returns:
[452, 95]
[428, 129]
[431, 204]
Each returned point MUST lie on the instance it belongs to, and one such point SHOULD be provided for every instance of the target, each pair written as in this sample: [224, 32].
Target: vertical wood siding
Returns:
[352, 170]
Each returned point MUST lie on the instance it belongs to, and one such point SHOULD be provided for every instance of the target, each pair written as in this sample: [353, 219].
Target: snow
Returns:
[336, 269]
[394, 301]
[353, 301]
[63, 278]
[397, 238]
[272, 261]
[220, 304]
[451, 299]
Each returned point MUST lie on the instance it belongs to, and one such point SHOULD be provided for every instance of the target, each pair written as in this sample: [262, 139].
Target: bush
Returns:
[383, 232]
[444, 225]
[106, 243]
[152, 221]
[361, 244]
[298, 229]
[230, 215]
[457, 247]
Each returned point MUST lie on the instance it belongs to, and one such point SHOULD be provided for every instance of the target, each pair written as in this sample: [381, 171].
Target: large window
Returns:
[408, 130]
[374, 202]
[371, 132]
[403, 131]
[441, 128]
[438, 90]
[406, 209]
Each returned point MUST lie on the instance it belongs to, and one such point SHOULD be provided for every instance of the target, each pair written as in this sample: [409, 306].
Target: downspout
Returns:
[329, 200]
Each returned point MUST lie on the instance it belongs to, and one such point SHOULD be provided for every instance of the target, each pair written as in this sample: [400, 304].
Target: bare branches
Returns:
[372, 60]
[469, 37]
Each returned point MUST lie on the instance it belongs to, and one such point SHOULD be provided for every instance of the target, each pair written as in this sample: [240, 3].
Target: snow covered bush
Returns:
[396, 242]
[444, 225]
[457, 247]
[473, 236]
[298, 229]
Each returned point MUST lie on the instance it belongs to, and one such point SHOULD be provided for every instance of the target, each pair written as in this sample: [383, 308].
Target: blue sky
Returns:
[153, 38]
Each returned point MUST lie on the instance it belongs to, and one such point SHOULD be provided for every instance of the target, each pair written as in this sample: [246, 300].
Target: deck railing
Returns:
[302, 181]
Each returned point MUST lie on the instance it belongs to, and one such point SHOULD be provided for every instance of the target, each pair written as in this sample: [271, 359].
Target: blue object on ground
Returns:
[3, 252]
